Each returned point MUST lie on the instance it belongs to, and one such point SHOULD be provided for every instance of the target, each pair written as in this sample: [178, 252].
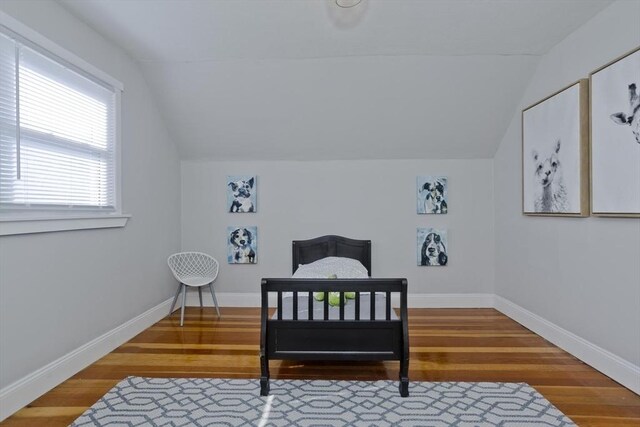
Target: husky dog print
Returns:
[550, 192]
[633, 117]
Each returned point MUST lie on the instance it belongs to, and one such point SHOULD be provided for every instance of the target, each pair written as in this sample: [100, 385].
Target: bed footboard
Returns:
[371, 334]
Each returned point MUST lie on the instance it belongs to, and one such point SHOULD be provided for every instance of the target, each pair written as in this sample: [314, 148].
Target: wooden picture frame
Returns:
[615, 137]
[555, 153]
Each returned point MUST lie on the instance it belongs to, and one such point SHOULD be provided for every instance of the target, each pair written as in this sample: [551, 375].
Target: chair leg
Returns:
[215, 301]
[184, 301]
[200, 295]
[175, 299]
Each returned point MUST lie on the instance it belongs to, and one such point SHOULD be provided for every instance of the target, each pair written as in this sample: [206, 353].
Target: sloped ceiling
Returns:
[305, 79]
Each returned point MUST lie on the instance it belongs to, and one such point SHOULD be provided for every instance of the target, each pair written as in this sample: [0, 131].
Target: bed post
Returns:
[294, 257]
[264, 354]
[404, 360]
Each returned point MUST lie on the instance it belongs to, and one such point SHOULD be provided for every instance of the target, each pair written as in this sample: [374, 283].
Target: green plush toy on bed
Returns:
[334, 297]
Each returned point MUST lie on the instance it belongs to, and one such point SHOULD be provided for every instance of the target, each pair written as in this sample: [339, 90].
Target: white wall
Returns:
[581, 274]
[60, 290]
[359, 199]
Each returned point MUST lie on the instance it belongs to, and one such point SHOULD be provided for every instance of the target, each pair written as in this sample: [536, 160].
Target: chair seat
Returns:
[196, 280]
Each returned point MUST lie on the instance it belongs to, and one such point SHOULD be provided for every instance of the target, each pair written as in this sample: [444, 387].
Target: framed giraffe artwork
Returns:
[615, 137]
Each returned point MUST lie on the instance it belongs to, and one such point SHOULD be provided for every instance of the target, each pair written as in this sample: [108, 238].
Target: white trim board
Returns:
[24, 391]
[12, 226]
[615, 367]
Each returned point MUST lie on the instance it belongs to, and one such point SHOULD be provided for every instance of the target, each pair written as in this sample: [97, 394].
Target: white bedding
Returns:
[342, 268]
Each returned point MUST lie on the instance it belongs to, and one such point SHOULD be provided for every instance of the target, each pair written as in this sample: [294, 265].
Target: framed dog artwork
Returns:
[432, 247]
[615, 137]
[242, 194]
[432, 193]
[242, 245]
[555, 154]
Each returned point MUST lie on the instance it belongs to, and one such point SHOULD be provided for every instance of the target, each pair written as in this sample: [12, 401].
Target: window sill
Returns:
[13, 226]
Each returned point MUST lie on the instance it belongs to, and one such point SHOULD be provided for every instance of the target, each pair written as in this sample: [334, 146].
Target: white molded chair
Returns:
[193, 269]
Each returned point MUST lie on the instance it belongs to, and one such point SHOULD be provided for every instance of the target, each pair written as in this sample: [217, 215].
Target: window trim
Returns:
[43, 224]
[12, 223]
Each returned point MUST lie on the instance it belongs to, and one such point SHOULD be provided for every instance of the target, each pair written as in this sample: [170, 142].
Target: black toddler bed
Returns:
[365, 328]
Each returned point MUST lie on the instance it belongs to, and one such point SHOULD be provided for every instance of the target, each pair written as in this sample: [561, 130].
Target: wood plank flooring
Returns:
[446, 345]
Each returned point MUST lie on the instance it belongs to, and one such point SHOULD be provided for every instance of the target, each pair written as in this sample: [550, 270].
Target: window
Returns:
[58, 134]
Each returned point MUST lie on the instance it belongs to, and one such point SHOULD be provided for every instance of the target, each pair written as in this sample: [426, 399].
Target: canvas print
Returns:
[615, 137]
[242, 245]
[432, 194]
[241, 193]
[555, 154]
[432, 247]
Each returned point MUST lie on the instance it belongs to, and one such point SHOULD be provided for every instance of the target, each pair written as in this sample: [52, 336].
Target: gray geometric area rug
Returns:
[138, 401]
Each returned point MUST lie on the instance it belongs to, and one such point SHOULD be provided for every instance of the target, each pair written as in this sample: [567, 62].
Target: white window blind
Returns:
[57, 133]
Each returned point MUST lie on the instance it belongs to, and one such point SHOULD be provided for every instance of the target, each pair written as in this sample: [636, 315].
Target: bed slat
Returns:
[326, 306]
[295, 305]
[388, 310]
[279, 305]
[372, 298]
[342, 305]
[310, 301]
[357, 306]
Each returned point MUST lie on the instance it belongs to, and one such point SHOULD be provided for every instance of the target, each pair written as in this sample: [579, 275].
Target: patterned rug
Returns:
[138, 401]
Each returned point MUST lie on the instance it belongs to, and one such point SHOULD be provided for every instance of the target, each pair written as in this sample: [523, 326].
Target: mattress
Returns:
[334, 312]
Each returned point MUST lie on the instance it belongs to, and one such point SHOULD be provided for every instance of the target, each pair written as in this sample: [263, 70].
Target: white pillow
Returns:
[343, 268]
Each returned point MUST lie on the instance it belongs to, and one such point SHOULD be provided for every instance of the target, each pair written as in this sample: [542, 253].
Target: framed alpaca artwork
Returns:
[555, 154]
[242, 245]
[432, 247]
[615, 137]
[432, 194]
[242, 193]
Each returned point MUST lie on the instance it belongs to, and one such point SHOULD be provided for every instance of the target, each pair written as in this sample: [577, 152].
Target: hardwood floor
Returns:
[446, 345]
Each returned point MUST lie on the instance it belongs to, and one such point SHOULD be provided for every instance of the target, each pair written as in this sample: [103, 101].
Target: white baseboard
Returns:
[22, 392]
[620, 370]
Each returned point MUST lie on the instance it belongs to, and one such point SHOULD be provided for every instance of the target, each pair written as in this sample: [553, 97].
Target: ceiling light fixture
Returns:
[346, 4]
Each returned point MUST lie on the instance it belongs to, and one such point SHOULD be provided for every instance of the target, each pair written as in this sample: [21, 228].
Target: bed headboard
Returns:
[307, 251]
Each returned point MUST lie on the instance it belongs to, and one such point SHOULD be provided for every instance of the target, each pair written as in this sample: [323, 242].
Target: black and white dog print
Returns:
[241, 195]
[433, 250]
[241, 249]
[434, 199]
[432, 195]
